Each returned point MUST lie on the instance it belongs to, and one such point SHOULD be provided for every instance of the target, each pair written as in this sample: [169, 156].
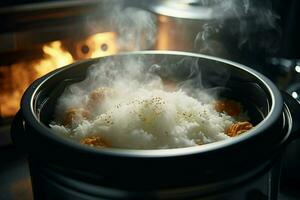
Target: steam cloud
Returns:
[127, 74]
[253, 22]
[143, 108]
[136, 28]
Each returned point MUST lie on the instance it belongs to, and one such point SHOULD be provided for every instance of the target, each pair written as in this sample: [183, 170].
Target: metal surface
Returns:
[190, 9]
[207, 27]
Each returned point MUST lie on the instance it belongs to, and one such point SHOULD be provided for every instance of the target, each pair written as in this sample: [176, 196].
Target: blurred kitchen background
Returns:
[38, 36]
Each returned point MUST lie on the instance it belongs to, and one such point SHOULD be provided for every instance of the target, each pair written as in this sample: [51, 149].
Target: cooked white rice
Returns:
[140, 113]
[151, 119]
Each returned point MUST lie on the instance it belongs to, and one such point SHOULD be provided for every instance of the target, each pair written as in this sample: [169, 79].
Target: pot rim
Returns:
[31, 118]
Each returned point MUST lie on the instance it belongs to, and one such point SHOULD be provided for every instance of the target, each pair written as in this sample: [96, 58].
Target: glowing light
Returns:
[17, 77]
[55, 57]
[98, 45]
[295, 95]
[20, 75]
[297, 68]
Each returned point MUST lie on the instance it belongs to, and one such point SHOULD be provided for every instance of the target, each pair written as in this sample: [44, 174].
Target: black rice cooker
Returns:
[245, 167]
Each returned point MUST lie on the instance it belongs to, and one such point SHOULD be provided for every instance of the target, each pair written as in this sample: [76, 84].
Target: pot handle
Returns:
[17, 130]
[294, 108]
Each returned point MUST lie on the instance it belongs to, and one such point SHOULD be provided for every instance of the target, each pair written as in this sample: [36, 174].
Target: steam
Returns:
[126, 74]
[253, 23]
[142, 103]
[135, 27]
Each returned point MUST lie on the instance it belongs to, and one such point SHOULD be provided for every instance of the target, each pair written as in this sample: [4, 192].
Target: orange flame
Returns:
[16, 78]
[21, 75]
[55, 57]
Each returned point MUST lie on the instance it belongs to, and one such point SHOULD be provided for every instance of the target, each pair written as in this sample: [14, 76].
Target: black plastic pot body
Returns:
[245, 167]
